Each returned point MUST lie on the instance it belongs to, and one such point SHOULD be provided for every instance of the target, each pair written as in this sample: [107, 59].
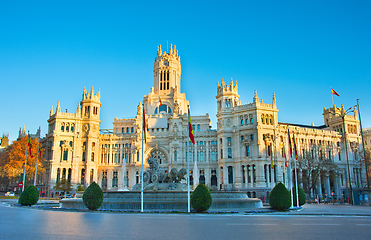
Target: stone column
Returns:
[319, 187]
[266, 173]
[109, 178]
[207, 176]
[238, 175]
[260, 180]
[225, 174]
[327, 185]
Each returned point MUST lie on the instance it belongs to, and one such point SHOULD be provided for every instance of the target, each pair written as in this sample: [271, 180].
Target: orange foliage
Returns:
[14, 158]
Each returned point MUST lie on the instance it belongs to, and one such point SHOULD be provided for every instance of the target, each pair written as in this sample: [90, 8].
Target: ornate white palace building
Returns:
[235, 156]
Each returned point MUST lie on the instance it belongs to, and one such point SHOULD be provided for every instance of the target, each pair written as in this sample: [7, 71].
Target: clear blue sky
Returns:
[50, 50]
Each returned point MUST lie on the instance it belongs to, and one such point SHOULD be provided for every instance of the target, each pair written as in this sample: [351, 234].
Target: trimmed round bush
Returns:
[280, 199]
[93, 197]
[302, 196]
[29, 196]
[201, 198]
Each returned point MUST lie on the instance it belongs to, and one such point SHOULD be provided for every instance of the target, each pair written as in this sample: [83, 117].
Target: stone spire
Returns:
[256, 98]
[51, 111]
[274, 100]
[58, 108]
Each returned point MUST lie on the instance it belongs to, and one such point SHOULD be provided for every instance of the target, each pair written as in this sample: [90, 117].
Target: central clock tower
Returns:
[167, 71]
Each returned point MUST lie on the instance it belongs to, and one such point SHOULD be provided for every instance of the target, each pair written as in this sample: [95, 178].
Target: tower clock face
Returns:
[166, 63]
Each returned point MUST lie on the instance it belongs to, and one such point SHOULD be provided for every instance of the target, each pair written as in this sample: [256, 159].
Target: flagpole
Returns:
[296, 183]
[296, 173]
[332, 97]
[25, 164]
[292, 194]
[37, 161]
[187, 158]
[188, 194]
[141, 191]
[290, 157]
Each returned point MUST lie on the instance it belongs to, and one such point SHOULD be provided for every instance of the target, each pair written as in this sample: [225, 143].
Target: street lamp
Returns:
[342, 114]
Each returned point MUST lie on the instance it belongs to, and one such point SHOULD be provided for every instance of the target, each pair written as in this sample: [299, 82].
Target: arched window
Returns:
[58, 174]
[163, 109]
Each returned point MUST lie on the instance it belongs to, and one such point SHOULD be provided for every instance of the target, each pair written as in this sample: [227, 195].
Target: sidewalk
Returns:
[326, 209]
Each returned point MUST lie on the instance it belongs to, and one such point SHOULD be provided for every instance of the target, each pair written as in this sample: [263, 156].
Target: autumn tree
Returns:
[13, 159]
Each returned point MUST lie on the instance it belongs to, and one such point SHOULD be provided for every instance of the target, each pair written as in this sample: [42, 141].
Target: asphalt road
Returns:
[23, 223]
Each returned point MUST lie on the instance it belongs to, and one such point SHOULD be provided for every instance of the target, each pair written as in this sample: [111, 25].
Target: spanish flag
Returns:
[334, 92]
[144, 125]
[160, 101]
[29, 144]
[190, 129]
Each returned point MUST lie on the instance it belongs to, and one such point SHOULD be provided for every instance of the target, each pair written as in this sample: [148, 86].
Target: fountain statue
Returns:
[156, 179]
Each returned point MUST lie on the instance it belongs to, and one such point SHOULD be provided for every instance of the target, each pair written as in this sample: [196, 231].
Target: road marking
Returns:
[363, 224]
[316, 224]
[250, 224]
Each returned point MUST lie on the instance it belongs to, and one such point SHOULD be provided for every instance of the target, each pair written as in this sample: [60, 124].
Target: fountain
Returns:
[165, 191]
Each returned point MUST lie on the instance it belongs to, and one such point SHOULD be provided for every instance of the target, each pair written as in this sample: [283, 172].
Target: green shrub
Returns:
[201, 198]
[302, 196]
[279, 198]
[29, 196]
[93, 197]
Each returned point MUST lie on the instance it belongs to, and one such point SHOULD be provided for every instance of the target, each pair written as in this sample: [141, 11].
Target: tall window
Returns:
[92, 156]
[230, 174]
[247, 151]
[65, 154]
[114, 179]
[175, 155]
[229, 152]
[58, 174]
[69, 175]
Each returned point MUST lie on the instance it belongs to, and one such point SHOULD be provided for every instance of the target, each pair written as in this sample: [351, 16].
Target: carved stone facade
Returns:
[235, 156]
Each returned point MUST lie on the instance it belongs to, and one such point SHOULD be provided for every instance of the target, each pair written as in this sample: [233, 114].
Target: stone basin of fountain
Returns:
[164, 191]
[166, 200]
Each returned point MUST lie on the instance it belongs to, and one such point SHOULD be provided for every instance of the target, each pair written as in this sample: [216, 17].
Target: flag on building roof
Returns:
[334, 92]
[190, 129]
